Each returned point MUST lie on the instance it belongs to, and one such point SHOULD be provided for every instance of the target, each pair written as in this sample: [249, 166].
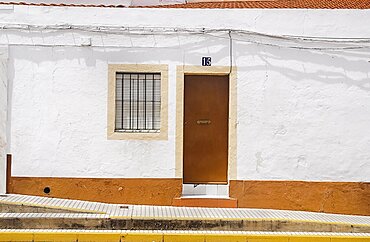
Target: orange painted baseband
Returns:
[330, 197]
[205, 202]
[149, 191]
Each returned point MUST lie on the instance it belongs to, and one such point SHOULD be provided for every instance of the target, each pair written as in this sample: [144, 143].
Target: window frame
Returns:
[113, 69]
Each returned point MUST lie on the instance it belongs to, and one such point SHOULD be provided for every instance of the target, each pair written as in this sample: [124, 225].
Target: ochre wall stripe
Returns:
[120, 190]
[330, 197]
[8, 172]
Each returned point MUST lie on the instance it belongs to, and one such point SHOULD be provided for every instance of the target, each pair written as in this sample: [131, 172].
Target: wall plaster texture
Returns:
[302, 114]
[3, 116]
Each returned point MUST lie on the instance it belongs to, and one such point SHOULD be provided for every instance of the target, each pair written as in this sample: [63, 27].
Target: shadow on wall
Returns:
[327, 66]
[349, 67]
[132, 49]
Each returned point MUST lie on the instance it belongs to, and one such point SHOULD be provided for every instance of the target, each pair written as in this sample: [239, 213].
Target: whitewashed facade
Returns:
[303, 108]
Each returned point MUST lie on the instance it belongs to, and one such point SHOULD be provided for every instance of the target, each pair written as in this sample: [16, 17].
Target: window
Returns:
[137, 101]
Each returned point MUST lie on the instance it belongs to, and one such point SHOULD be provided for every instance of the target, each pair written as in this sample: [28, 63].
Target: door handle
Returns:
[203, 121]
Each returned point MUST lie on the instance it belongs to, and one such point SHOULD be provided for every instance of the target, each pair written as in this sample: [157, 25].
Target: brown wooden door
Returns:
[206, 111]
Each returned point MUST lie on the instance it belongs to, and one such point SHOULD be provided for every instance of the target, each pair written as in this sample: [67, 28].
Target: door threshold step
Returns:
[205, 201]
[187, 196]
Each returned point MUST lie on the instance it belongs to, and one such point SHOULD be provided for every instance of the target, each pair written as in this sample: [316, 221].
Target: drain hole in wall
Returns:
[47, 190]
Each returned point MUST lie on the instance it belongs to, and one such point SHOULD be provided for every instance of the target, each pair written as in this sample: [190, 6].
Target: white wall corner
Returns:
[155, 2]
[3, 116]
[6, 8]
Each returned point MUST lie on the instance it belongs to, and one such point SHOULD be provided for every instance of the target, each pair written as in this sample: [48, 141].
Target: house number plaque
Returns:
[206, 61]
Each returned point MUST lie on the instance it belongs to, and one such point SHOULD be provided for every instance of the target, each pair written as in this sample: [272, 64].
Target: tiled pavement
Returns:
[122, 211]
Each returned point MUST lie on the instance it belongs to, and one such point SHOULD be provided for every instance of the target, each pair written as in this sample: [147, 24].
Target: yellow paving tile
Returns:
[147, 237]
[55, 236]
[267, 239]
[16, 236]
[183, 237]
[99, 236]
[174, 236]
[349, 239]
[226, 238]
[309, 239]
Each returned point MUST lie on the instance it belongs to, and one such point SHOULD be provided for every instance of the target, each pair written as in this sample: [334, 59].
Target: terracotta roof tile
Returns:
[303, 4]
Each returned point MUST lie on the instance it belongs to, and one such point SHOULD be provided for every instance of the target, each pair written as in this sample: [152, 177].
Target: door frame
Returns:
[183, 70]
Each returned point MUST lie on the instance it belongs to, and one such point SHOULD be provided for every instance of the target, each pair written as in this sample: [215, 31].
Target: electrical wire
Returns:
[231, 52]
[94, 46]
[296, 47]
[245, 35]
[112, 29]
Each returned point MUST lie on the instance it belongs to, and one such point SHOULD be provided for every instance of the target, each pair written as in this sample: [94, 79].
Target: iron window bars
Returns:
[138, 102]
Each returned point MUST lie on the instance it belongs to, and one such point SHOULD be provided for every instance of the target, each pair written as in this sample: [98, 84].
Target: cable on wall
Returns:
[297, 47]
[169, 30]
[244, 35]
[231, 51]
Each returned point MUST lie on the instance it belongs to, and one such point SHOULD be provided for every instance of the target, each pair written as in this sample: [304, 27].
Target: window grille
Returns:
[138, 102]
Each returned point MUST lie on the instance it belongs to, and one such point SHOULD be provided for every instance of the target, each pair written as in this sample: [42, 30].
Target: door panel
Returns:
[206, 111]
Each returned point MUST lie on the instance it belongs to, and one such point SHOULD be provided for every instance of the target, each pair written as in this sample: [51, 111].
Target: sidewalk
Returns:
[31, 218]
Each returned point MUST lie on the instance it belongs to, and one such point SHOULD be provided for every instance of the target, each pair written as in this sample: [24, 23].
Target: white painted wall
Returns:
[3, 116]
[302, 114]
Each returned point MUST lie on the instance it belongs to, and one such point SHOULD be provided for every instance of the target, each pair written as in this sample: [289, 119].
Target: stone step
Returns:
[203, 201]
[103, 222]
